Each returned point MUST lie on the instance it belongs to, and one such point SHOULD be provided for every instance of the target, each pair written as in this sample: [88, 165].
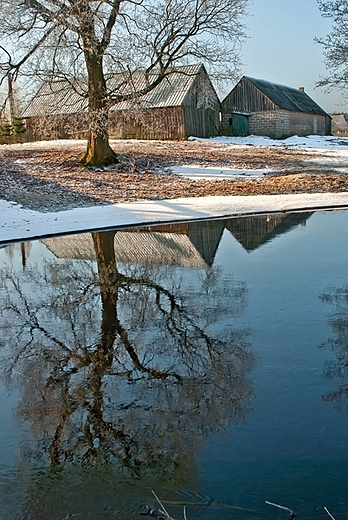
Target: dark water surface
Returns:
[205, 362]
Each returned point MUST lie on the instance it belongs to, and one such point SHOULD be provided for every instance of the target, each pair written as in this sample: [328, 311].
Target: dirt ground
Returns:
[50, 177]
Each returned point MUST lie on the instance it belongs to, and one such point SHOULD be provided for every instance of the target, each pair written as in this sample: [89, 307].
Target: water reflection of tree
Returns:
[123, 367]
[337, 369]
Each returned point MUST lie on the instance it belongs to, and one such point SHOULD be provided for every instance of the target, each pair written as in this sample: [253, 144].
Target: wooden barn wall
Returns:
[165, 123]
[246, 98]
[201, 109]
[72, 126]
[157, 123]
[201, 122]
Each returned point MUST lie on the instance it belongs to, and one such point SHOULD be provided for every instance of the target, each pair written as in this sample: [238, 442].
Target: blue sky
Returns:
[280, 47]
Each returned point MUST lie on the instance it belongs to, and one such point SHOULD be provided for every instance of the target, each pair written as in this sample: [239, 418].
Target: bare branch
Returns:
[328, 512]
[292, 514]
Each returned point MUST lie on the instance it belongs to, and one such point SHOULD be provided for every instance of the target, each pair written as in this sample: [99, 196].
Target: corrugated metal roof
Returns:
[59, 98]
[287, 98]
[55, 98]
[170, 92]
[141, 248]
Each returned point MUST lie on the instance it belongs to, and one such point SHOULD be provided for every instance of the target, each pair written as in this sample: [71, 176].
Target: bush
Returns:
[6, 129]
[18, 126]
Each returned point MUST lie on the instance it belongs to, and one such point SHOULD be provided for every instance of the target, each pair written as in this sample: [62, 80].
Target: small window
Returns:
[230, 121]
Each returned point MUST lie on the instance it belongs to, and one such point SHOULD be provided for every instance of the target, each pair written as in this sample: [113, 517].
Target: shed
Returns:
[260, 107]
[339, 124]
[57, 111]
[184, 103]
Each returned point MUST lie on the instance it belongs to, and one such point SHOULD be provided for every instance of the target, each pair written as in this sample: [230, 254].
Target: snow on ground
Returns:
[17, 223]
[197, 172]
[311, 141]
[334, 149]
[318, 142]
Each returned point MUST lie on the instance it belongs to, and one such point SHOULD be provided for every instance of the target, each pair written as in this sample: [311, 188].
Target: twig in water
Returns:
[292, 514]
[163, 510]
[328, 512]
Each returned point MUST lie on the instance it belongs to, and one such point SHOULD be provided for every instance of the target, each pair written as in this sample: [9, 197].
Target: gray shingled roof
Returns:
[287, 98]
[58, 98]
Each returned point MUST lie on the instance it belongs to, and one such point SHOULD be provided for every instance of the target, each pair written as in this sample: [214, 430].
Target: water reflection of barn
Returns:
[188, 244]
[192, 244]
[253, 232]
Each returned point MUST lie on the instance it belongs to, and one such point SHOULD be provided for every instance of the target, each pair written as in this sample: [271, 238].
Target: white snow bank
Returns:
[311, 141]
[202, 173]
[17, 223]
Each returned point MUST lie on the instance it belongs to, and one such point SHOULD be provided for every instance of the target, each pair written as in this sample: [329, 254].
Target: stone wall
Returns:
[306, 124]
[226, 124]
[263, 123]
[279, 124]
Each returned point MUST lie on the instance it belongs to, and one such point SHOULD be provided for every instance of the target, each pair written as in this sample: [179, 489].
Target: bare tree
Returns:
[335, 44]
[84, 41]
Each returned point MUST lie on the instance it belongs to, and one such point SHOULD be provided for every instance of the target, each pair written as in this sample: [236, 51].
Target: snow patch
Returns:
[310, 141]
[200, 173]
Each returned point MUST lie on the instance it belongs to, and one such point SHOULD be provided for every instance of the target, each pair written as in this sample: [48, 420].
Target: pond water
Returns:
[204, 363]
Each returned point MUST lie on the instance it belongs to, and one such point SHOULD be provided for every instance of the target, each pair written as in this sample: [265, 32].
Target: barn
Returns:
[57, 111]
[339, 124]
[260, 107]
[183, 104]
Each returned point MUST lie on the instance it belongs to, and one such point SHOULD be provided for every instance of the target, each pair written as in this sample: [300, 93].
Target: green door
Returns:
[240, 125]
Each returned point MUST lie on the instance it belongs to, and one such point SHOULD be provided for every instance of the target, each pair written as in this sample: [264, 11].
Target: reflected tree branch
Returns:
[98, 385]
[337, 369]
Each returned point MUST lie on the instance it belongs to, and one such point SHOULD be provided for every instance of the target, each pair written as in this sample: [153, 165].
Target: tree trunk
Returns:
[99, 151]
[11, 97]
[108, 277]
